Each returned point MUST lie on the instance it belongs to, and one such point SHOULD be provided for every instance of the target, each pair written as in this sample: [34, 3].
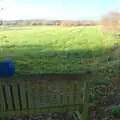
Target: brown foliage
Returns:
[116, 81]
[111, 21]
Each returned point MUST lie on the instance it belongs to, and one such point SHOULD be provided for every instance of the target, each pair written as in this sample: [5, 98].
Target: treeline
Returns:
[51, 22]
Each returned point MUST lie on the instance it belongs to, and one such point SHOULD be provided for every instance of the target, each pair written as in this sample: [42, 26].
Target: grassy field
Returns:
[39, 49]
[44, 49]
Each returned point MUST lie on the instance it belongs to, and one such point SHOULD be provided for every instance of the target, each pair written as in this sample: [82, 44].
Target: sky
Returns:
[57, 9]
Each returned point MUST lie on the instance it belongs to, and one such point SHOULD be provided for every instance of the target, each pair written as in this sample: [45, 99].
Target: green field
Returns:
[39, 49]
[46, 49]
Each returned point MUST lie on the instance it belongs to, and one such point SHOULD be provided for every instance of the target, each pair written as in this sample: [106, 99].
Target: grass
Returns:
[45, 49]
[39, 49]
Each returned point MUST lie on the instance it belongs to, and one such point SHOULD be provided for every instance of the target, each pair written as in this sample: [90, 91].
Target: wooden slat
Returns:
[37, 101]
[49, 104]
[58, 92]
[64, 94]
[78, 93]
[19, 96]
[4, 96]
[51, 94]
[70, 90]
[45, 94]
[36, 95]
[23, 96]
[68, 94]
[15, 96]
[85, 106]
[41, 96]
[12, 96]
[31, 96]
[27, 100]
[2, 100]
[8, 97]
[50, 76]
[26, 96]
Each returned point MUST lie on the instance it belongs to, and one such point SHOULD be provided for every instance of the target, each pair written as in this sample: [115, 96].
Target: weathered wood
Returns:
[49, 76]
[15, 97]
[2, 100]
[43, 93]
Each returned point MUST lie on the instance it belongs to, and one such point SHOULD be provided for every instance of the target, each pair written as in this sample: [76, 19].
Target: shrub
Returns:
[111, 21]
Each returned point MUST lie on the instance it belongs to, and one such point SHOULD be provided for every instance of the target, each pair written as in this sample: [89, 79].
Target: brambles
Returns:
[115, 111]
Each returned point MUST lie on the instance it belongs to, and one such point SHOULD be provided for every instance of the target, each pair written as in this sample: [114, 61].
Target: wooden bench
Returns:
[43, 93]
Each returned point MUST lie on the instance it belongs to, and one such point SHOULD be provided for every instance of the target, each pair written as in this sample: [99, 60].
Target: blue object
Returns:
[6, 68]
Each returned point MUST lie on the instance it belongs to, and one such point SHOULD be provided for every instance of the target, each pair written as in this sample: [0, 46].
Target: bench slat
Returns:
[2, 100]
[15, 96]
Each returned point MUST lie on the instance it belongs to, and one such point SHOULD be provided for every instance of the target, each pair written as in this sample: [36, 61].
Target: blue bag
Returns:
[6, 68]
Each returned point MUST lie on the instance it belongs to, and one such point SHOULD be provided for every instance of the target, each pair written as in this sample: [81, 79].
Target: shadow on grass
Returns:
[103, 62]
[42, 59]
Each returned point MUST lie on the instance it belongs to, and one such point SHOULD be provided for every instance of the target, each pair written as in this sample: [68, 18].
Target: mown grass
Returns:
[41, 49]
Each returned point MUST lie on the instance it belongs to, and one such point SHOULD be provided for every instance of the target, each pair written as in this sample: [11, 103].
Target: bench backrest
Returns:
[44, 93]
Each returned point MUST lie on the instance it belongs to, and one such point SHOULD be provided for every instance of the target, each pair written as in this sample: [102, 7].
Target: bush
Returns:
[115, 111]
[111, 21]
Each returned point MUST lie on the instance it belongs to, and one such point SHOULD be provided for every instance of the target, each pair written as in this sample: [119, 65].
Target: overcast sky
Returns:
[56, 9]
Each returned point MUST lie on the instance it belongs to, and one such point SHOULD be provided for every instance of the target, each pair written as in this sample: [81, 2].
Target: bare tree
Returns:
[1, 19]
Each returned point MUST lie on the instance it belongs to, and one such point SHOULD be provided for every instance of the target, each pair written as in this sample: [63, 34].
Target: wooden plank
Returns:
[23, 96]
[85, 106]
[70, 93]
[12, 96]
[58, 92]
[36, 96]
[78, 93]
[43, 102]
[42, 110]
[4, 96]
[64, 102]
[27, 100]
[8, 97]
[31, 94]
[51, 94]
[2, 100]
[41, 96]
[19, 96]
[15, 96]
[67, 97]
[50, 76]
[47, 94]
